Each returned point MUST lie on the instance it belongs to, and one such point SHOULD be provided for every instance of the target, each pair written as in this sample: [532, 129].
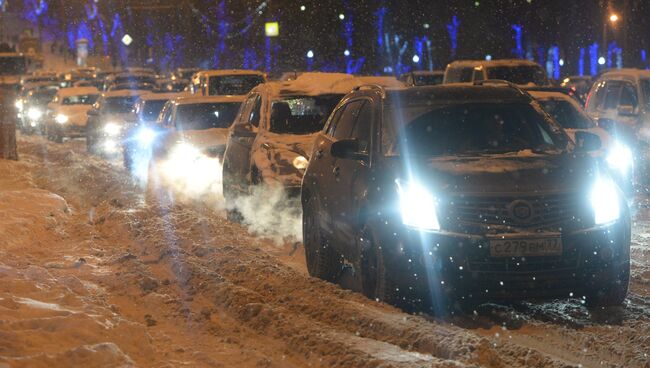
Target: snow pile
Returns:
[26, 214]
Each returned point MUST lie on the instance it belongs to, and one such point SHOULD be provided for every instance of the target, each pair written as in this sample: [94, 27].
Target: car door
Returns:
[236, 165]
[317, 178]
[342, 178]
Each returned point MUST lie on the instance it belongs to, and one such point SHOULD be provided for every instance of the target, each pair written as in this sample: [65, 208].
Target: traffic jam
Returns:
[487, 212]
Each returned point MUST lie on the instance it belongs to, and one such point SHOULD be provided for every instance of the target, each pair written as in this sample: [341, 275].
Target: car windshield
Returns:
[150, 109]
[302, 115]
[233, 84]
[203, 116]
[118, 105]
[567, 114]
[523, 74]
[42, 97]
[12, 65]
[467, 129]
[80, 100]
[134, 86]
[428, 79]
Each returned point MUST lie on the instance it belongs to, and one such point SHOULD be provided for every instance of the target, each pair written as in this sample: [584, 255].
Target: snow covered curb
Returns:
[27, 214]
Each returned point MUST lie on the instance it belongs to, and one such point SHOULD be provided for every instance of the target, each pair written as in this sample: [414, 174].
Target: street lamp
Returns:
[613, 18]
[611, 21]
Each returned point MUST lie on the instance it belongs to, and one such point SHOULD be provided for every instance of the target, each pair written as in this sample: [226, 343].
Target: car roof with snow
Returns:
[629, 74]
[491, 63]
[162, 96]
[312, 84]
[384, 81]
[457, 93]
[124, 93]
[215, 73]
[542, 95]
[78, 91]
[190, 100]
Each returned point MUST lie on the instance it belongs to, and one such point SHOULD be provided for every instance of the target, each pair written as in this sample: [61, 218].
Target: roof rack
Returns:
[381, 89]
[504, 82]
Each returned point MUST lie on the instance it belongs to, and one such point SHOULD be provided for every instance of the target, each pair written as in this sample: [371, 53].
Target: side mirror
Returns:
[627, 110]
[347, 149]
[588, 142]
[93, 112]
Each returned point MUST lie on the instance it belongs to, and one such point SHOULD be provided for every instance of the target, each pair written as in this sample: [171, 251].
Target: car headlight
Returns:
[61, 118]
[417, 206]
[620, 158]
[300, 163]
[19, 105]
[145, 136]
[112, 129]
[605, 201]
[34, 113]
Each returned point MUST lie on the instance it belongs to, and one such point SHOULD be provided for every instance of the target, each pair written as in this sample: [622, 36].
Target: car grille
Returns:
[558, 212]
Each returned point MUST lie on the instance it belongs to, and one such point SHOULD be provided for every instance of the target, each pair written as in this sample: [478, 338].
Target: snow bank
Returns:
[27, 214]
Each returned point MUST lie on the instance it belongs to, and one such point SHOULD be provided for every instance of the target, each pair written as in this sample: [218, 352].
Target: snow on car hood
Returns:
[77, 114]
[515, 172]
[273, 156]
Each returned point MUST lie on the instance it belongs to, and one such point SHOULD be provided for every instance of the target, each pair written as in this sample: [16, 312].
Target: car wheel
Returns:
[614, 292]
[377, 282]
[323, 261]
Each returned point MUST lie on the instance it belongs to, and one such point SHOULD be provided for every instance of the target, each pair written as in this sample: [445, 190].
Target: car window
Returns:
[628, 96]
[343, 129]
[362, 128]
[478, 75]
[335, 120]
[595, 99]
[612, 94]
[468, 129]
[255, 114]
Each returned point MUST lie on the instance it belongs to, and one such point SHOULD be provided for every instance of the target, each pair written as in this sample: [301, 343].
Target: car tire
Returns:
[614, 292]
[323, 261]
[376, 278]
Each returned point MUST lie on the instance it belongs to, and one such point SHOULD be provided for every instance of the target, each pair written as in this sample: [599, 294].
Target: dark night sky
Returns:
[484, 29]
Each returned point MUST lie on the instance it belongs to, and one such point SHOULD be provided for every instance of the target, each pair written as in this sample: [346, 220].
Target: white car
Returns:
[194, 140]
[620, 102]
[68, 111]
[517, 71]
[225, 82]
[570, 115]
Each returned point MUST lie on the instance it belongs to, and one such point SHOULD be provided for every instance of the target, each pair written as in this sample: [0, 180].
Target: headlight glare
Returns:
[605, 201]
[620, 158]
[300, 163]
[112, 129]
[146, 136]
[417, 206]
[61, 119]
[34, 113]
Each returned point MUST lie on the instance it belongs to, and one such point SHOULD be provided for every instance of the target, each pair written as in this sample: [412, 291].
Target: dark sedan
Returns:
[429, 196]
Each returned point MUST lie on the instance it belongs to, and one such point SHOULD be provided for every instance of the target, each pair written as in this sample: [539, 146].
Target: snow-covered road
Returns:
[93, 275]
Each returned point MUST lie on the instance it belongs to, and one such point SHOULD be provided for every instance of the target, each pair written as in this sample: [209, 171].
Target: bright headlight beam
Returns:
[620, 158]
[61, 119]
[112, 129]
[146, 136]
[605, 201]
[417, 206]
[34, 113]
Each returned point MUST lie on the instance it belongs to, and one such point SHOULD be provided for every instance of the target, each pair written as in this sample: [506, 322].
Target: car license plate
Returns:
[539, 247]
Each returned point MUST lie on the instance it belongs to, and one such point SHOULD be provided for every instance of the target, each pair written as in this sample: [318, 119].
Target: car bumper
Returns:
[461, 266]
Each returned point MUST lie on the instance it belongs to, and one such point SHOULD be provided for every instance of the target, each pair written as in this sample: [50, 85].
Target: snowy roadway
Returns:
[93, 275]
